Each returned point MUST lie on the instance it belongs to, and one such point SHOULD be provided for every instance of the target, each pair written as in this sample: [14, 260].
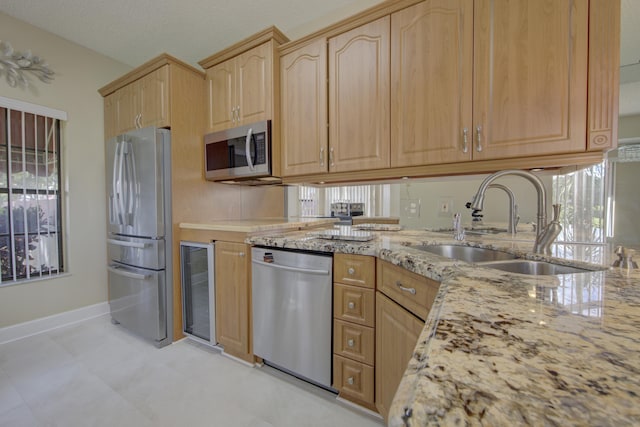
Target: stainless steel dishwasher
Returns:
[292, 298]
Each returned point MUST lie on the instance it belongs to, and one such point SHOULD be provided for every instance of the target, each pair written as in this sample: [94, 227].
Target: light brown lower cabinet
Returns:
[353, 328]
[233, 299]
[353, 379]
[397, 332]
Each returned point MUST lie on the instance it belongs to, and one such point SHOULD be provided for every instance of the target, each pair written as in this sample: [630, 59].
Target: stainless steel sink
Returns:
[523, 266]
[466, 253]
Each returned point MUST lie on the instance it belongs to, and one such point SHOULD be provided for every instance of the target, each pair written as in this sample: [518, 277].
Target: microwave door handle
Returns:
[247, 149]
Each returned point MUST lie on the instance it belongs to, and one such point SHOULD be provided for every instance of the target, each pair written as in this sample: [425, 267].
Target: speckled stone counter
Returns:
[504, 349]
[260, 225]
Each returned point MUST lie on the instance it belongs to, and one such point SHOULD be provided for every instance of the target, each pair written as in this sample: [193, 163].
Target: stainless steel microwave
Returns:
[241, 154]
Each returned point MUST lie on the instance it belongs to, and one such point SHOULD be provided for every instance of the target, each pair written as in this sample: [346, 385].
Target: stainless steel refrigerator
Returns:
[138, 169]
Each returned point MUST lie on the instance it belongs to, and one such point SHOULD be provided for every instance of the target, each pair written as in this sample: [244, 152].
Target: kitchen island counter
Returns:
[505, 349]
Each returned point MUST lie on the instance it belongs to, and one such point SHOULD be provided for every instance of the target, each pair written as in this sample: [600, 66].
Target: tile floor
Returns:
[97, 374]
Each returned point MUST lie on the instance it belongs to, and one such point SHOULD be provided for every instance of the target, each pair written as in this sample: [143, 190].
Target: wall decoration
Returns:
[14, 65]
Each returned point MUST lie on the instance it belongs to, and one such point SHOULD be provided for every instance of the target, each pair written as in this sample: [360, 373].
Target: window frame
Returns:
[48, 118]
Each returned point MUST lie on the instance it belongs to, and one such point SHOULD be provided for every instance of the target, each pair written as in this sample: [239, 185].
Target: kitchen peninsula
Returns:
[501, 349]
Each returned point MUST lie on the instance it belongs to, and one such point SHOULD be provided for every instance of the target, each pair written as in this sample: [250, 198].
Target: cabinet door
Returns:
[304, 109]
[110, 115]
[431, 83]
[154, 98]
[359, 98]
[127, 107]
[397, 333]
[232, 298]
[221, 102]
[254, 84]
[530, 84]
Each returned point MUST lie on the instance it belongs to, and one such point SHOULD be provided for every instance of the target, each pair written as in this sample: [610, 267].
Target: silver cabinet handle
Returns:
[465, 140]
[331, 163]
[237, 114]
[351, 343]
[241, 254]
[321, 156]
[479, 138]
[351, 305]
[412, 291]
[350, 380]
[351, 271]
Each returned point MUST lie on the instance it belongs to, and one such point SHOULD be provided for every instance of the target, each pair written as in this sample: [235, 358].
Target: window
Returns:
[314, 201]
[583, 199]
[30, 197]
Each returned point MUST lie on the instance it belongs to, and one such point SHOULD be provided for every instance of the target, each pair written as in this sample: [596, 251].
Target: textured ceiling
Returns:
[133, 31]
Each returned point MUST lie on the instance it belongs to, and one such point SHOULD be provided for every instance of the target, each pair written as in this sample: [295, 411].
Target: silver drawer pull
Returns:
[351, 305]
[350, 380]
[351, 343]
[128, 244]
[351, 271]
[412, 291]
[241, 254]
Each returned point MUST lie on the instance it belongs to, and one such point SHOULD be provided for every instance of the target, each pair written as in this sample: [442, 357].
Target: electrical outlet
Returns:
[445, 207]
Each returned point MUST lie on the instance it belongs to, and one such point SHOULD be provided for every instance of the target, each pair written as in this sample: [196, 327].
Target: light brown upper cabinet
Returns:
[142, 103]
[441, 87]
[303, 73]
[525, 94]
[359, 88]
[431, 82]
[240, 89]
[241, 81]
[530, 77]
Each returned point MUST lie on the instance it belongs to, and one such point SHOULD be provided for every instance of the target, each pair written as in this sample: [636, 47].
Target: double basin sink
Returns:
[499, 260]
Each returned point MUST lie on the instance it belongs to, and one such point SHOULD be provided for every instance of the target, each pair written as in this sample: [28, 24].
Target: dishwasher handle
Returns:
[292, 269]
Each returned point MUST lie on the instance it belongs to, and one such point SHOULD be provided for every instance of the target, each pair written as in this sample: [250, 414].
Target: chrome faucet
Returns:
[513, 208]
[477, 202]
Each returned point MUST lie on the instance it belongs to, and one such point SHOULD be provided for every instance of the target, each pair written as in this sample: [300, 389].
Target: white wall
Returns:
[80, 72]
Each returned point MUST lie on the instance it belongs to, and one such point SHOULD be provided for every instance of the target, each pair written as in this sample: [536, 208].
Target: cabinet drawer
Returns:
[356, 270]
[414, 292]
[355, 342]
[354, 304]
[353, 379]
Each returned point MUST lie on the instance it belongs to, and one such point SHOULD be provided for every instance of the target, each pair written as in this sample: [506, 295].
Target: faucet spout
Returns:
[478, 200]
[513, 213]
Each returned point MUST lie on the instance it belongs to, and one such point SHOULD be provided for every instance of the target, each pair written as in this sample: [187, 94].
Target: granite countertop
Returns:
[504, 349]
[259, 225]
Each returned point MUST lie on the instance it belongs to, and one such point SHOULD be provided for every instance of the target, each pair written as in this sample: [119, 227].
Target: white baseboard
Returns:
[44, 324]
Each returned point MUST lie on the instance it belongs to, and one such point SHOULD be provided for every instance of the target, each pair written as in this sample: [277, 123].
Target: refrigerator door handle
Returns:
[247, 149]
[130, 275]
[128, 244]
[131, 197]
[120, 189]
[115, 212]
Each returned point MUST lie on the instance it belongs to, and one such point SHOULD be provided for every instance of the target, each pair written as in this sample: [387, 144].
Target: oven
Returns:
[242, 153]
